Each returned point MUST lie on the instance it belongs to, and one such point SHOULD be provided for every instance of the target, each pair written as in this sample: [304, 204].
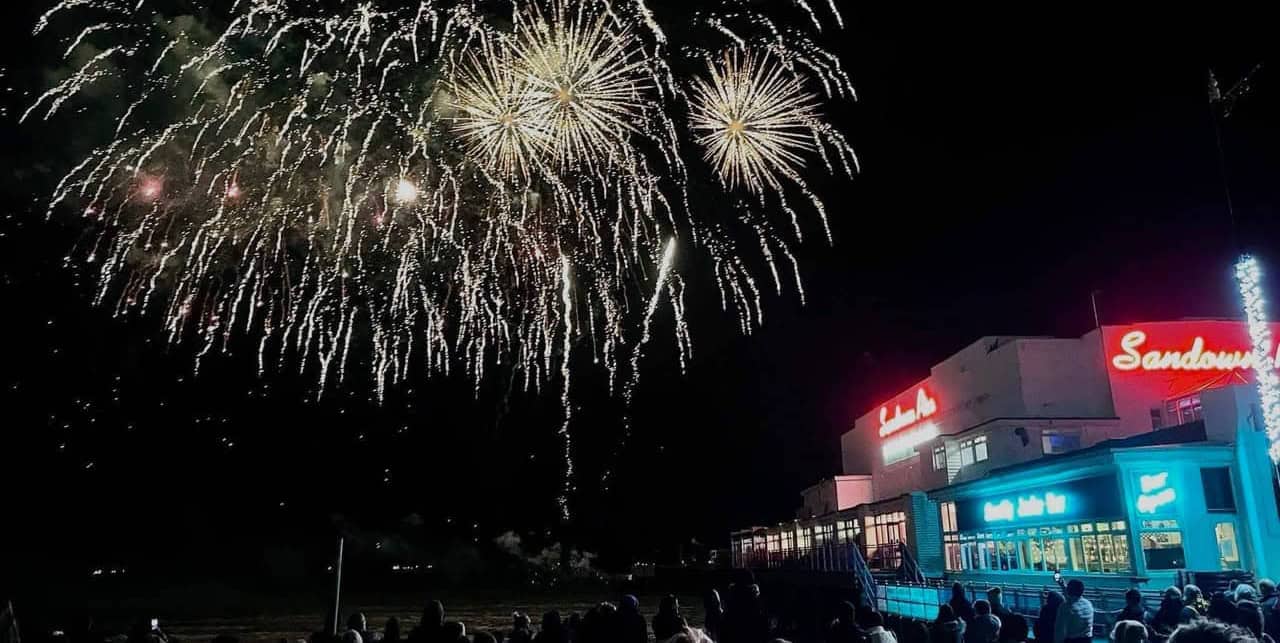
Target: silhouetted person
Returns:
[1210, 631]
[995, 596]
[844, 629]
[985, 627]
[1222, 609]
[1014, 629]
[1075, 616]
[744, 617]
[391, 631]
[521, 629]
[668, 622]
[1270, 608]
[873, 623]
[483, 637]
[1249, 617]
[915, 632]
[1046, 622]
[431, 628]
[961, 605]
[455, 632]
[947, 627]
[1172, 613]
[1194, 598]
[1134, 610]
[360, 625]
[712, 614]
[553, 630]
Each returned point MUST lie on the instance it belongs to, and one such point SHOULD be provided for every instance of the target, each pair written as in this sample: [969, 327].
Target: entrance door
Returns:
[1227, 535]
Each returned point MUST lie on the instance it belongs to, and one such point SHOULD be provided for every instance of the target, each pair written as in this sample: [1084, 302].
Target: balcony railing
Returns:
[826, 557]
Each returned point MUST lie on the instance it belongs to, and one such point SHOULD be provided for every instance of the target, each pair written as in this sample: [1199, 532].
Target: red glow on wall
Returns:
[925, 406]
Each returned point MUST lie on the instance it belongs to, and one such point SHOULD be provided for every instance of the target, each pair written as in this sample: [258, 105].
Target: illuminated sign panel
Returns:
[925, 407]
[1172, 359]
[1156, 492]
[1088, 498]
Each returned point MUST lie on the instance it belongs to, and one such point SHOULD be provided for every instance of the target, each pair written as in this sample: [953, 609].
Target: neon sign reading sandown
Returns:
[1195, 357]
[925, 407]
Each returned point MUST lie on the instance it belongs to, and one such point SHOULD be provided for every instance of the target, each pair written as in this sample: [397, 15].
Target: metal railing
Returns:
[829, 557]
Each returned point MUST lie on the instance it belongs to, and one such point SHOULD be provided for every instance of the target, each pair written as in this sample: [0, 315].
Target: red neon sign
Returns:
[925, 407]
[1170, 359]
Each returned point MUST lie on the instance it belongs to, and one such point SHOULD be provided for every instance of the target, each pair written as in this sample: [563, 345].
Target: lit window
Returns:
[1060, 440]
[1184, 409]
[973, 450]
[1228, 549]
[939, 458]
[1156, 420]
[1163, 549]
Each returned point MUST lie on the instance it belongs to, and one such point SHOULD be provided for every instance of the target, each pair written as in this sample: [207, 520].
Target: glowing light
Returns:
[1149, 503]
[925, 407]
[1249, 278]
[1195, 358]
[1152, 482]
[406, 191]
[1030, 506]
[903, 445]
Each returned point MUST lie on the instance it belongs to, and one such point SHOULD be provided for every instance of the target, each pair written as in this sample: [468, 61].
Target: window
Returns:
[939, 458]
[1060, 440]
[1156, 421]
[1162, 545]
[804, 538]
[950, 539]
[1217, 489]
[773, 543]
[973, 450]
[822, 534]
[788, 541]
[1184, 409]
[1228, 549]
[846, 530]
[1087, 547]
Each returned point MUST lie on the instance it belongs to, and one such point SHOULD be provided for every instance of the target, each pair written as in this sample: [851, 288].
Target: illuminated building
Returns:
[1127, 456]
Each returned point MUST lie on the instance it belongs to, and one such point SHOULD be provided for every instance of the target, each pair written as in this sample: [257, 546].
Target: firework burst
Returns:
[423, 190]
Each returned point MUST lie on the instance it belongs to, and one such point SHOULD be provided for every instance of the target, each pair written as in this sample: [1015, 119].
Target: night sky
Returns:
[1012, 164]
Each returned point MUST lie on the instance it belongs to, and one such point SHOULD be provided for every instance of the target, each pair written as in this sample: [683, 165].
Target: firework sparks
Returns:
[399, 191]
[754, 119]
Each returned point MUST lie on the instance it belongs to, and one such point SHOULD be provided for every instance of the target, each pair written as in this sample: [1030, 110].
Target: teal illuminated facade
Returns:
[1133, 511]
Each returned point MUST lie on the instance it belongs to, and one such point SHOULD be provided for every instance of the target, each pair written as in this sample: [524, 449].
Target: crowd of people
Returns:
[1244, 614]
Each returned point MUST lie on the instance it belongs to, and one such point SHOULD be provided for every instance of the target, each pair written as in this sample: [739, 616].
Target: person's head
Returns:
[357, 622]
[629, 604]
[392, 631]
[1128, 632]
[454, 631]
[946, 613]
[1171, 593]
[1133, 597]
[1075, 588]
[1210, 631]
[551, 620]
[1015, 628]
[669, 604]
[845, 613]
[433, 614]
[520, 621]
[981, 607]
[872, 619]
[1192, 593]
[1267, 588]
[995, 596]
[918, 631]
[1053, 598]
[957, 590]
[1246, 592]
[1249, 616]
[711, 600]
